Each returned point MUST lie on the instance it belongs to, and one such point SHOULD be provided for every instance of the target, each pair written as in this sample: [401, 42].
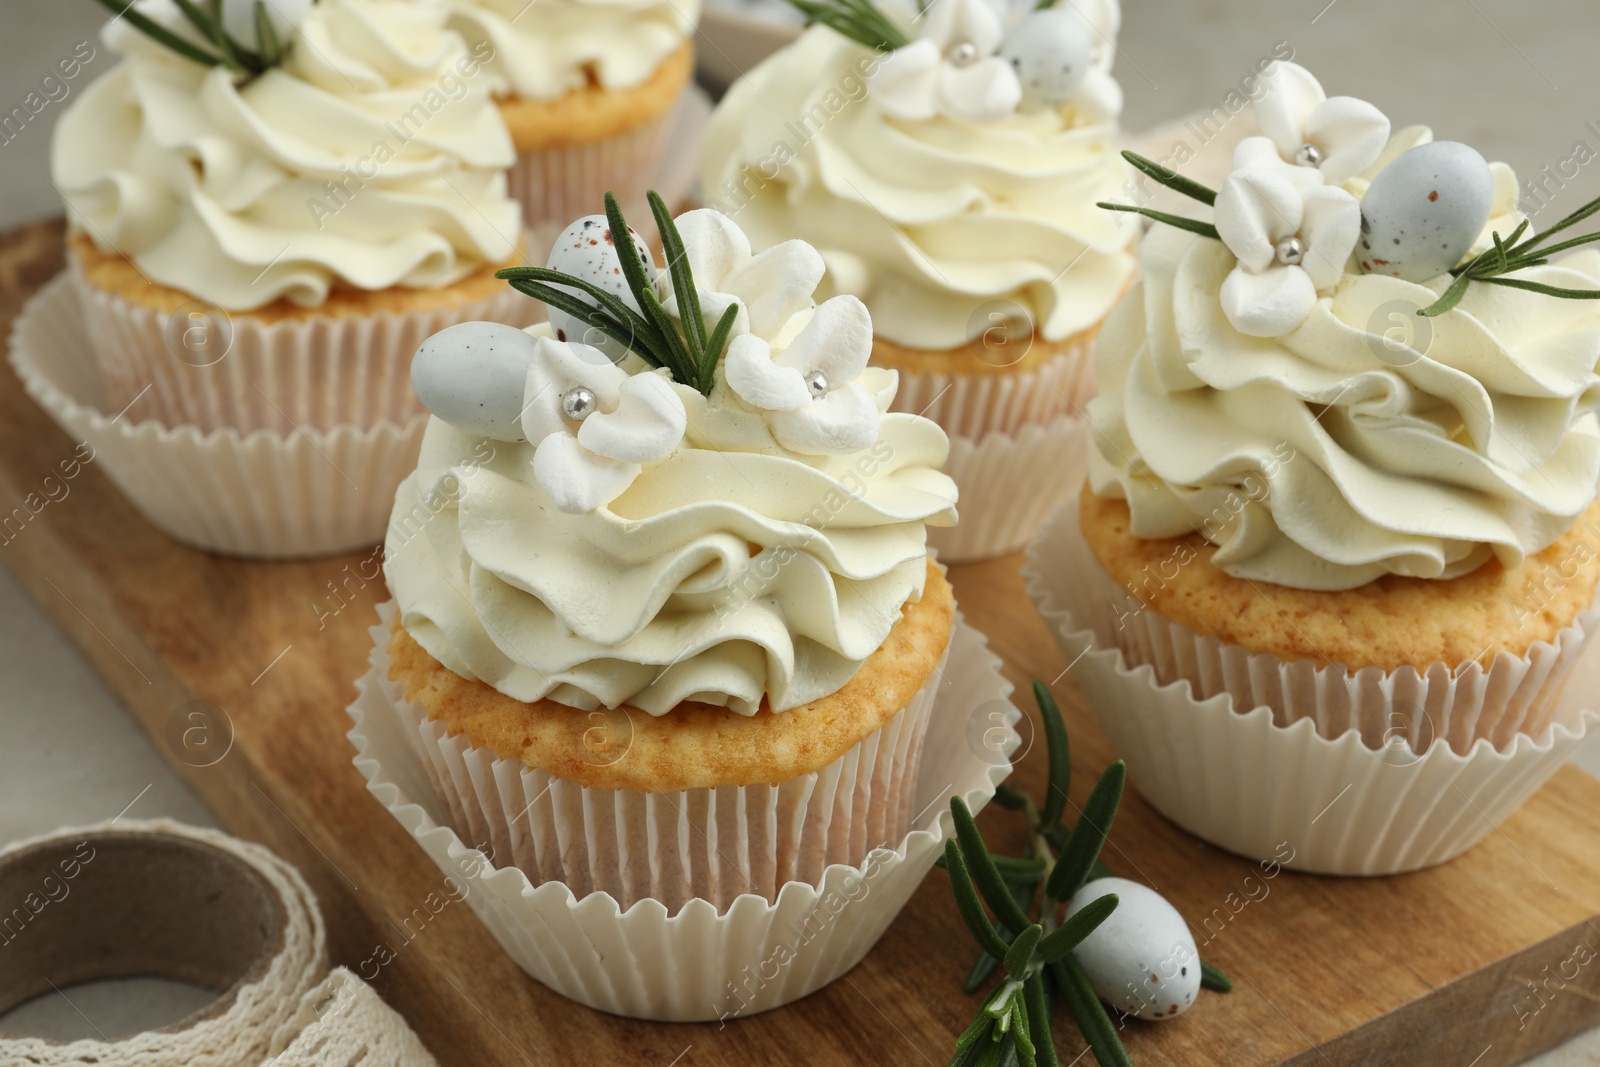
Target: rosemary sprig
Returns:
[1178, 184]
[1034, 948]
[1506, 256]
[859, 20]
[682, 347]
[207, 21]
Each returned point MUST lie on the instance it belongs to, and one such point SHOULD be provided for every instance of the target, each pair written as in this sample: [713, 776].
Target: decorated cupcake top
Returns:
[945, 166]
[544, 49]
[348, 143]
[1358, 362]
[685, 487]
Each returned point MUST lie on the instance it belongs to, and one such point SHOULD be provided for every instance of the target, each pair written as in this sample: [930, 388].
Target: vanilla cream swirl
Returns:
[547, 48]
[1334, 454]
[733, 573]
[373, 158]
[932, 223]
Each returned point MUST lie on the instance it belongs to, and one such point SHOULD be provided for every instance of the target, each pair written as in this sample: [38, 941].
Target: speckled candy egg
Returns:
[1423, 211]
[1142, 960]
[585, 250]
[472, 376]
[1050, 51]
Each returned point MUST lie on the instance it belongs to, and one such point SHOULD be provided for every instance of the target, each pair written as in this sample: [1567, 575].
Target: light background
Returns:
[1519, 81]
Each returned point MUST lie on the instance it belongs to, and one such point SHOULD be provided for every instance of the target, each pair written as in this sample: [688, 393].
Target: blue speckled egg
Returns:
[472, 375]
[585, 250]
[1142, 959]
[1050, 51]
[1423, 211]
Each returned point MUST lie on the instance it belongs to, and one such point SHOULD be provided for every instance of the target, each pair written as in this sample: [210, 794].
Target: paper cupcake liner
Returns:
[975, 405]
[263, 495]
[710, 844]
[556, 186]
[1009, 484]
[1412, 706]
[1240, 779]
[214, 370]
[704, 962]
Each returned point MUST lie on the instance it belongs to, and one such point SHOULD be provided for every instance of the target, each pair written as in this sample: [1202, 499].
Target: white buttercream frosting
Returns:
[373, 157]
[730, 572]
[933, 223]
[641, 542]
[1365, 441]
[546, 48]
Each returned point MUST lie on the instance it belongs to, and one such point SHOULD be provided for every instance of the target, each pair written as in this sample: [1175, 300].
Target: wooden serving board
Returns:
[1482, 962]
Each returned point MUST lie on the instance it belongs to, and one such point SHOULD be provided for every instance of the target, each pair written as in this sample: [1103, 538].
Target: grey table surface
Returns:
[1517, 80]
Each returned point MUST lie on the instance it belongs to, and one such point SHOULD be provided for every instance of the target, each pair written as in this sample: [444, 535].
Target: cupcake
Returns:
[947, 170]
[673, 602]
[1342, 479]
[259, 245]
[588, 89]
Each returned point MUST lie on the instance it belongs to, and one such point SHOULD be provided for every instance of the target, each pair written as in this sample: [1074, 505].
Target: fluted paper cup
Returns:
[976, 405]
[1008, 485]
[201, 367]
[701, 961]
[262, 495]
[1221, 766]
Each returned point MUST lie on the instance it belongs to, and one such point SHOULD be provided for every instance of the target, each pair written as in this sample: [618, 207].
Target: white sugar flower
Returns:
[1292, 239]
[808, 388]
[594, 425]
[1340, 135]
[803, 379]
[951, 69]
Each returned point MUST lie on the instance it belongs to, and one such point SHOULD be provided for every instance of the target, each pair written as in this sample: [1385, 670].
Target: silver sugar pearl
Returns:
[964, 54]
[578, 403]
[1308, 155]
[1290, 251]
[817, 382]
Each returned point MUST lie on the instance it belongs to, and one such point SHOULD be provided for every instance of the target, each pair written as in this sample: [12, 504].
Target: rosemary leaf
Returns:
[681, 362]
[1033, 998]
[1450, 297]
[1022, 1034]
[267, 41]
[969, 905]
[1088, 834]
[1058, 752]
[1204, 229]
[966, 1055]
[197, 18]
[585, 312]
[1070, 934]
[1571, 220]
[159, 33]
[683, 288]
[1093, 1021]
[1547, 290]
[984, 872]
[645, 331]
[641, 287]
[1213, 979]
[985, 964]
[714, 347]
[1546, 253]
[219, 37]
[1009, 798]
[1172, 179]
[1020, 954]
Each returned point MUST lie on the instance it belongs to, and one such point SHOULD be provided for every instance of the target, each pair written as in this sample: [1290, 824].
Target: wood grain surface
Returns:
[1468, 965]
